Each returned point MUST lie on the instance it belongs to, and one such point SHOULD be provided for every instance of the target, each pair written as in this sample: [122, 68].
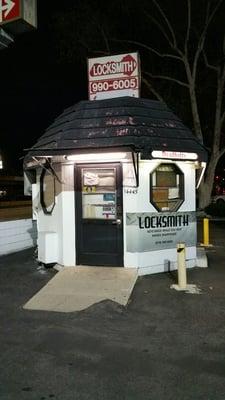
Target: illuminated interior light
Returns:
[1, 164]
[177, 155]
[96, 156]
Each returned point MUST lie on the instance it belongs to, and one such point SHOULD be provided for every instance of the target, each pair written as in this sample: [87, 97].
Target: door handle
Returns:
[117, 222]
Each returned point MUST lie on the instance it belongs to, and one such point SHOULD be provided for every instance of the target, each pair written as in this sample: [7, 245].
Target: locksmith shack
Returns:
[113, 183]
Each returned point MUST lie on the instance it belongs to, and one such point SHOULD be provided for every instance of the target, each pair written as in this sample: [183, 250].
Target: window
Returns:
[167, 187]
[99, 193]
[47, 182]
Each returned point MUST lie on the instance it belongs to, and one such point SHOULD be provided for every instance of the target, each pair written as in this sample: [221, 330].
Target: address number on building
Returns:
[105, 86]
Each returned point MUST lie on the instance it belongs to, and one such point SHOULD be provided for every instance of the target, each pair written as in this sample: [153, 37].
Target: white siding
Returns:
[17, 235]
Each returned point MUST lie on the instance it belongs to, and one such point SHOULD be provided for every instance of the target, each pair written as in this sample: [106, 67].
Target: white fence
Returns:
[17, 235]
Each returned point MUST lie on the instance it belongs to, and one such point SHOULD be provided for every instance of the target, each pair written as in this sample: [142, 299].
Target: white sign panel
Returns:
[114, 76]
[176, 155]
[157, 231]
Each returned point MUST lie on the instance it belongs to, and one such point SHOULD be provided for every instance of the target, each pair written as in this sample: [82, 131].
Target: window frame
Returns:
[180, 201]
[42, 201]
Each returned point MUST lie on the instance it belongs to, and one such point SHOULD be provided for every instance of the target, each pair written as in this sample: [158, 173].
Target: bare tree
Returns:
[190, 58]
[177, 54]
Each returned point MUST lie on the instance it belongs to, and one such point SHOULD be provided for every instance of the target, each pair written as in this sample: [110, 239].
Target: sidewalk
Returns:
[164, 345]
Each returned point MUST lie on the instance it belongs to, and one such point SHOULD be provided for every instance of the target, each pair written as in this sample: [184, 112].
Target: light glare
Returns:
[96, 156]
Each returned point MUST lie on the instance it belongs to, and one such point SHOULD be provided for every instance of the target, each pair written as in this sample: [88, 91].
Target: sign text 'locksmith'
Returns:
[158, 231]
[126, 66]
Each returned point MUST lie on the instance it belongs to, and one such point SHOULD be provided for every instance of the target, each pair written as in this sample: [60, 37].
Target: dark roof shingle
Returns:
[140, 124]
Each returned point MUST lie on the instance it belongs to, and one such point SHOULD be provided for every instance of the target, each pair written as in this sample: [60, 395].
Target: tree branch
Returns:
[100, 52]
[168, 78]
[174, 43]
[188, 27]
[160, 27]
[209, 17]
[193, 101]
[152, 89]
[222, 118]
[224, 44]
[210, 66]
[221, 153]
[214, 11]
[150, 49]
[219, 114]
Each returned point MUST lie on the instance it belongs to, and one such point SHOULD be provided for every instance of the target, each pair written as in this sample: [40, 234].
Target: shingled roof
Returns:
[141, 125]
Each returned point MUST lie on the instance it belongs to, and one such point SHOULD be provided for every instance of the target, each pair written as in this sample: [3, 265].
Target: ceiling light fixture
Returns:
[96, 156]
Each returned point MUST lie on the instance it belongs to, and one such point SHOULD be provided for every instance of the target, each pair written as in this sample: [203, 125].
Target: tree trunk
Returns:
[204, 194]
[205, 189]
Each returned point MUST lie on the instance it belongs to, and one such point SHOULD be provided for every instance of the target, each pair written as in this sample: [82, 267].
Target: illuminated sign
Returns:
[114, 76]
[9, 10]
[177, 155]
[18, 16]
[96, 157]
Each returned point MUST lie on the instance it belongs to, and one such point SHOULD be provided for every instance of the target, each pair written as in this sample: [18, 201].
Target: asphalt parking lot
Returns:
[163, 345]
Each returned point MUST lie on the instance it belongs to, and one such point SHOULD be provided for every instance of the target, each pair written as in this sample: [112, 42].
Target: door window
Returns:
[99, 193]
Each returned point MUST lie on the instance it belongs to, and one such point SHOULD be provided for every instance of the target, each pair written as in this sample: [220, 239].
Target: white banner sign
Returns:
[114, 76]
[157, 231]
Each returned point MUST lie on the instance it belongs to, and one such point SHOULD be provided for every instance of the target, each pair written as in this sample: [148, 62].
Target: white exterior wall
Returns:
[68, 255]
[56, 232]
[156, 261]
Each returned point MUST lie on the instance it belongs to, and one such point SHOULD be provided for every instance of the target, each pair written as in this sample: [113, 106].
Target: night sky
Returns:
[45, 70]
[35, 87]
